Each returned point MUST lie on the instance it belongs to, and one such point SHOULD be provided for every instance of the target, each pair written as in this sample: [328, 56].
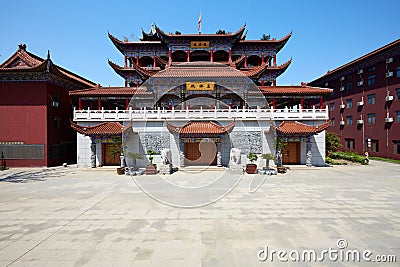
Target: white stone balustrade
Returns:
[193, 114]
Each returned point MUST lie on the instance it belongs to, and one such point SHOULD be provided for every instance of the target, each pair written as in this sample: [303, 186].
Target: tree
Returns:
[178, 33]
[265, 37]
[117, 147]
[221, 32]
[332, 142]
[134, 156]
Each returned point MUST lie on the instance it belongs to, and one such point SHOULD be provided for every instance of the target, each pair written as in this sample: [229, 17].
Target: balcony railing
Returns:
[161, 114]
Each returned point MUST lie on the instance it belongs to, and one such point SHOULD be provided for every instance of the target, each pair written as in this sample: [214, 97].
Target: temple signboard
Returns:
[200, 86]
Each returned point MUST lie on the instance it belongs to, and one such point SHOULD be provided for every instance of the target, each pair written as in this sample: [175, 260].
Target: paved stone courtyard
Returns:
[83, 217]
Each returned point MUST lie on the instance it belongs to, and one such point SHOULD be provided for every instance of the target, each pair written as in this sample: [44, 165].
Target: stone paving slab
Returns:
[84, 217]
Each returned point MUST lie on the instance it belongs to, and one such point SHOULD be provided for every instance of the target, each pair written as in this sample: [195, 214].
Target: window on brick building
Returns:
[374, 146]
[331, 106]
[332, 123]
[398, 116]
[348, 87]
[371, 118]
[398, 72]
[350, 143]
[349, 103]
[371, 99]
[371, 80]
[57, 122]
[398, 93]
[396, 146]
[349, 120]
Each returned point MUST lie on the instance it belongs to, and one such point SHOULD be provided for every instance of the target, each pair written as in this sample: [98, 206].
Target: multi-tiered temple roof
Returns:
[158, 50]
[161, 63]
[25, 66]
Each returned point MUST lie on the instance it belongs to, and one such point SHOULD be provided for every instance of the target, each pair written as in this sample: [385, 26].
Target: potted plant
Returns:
[251, 168]
[151, 168]
[117, 150]
[267, 157]
[134, 156]
[279, 145]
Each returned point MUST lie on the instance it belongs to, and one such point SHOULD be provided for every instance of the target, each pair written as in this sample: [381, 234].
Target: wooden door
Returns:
[108, 159]
[291, 155]
[201, 153]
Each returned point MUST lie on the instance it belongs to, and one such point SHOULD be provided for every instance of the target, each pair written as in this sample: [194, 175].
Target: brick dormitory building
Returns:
[365, 106]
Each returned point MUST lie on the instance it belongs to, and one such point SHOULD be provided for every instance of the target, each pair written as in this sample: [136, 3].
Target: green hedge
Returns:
[353, 157]
[332, 162]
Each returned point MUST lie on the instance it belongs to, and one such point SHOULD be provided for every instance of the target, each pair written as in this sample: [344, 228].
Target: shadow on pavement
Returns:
[31, 176]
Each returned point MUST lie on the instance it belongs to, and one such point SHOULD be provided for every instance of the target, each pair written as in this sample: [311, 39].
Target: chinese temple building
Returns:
[35, 110]
[200, 95]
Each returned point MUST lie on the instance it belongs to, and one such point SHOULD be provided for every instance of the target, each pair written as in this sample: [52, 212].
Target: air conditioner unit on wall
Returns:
[389, 98]
[342, 106]
[389, 74]
[361, 103]
[360, 121]
[342, 123]
[360, 71]
[341, 88]
[54, 103]
[388, 120]
[360, 83]
[342, 78]
[389, 60]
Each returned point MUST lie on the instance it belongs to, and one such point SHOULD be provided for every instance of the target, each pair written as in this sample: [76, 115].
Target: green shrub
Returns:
[252, 157]
[332, 162]
[350, 156]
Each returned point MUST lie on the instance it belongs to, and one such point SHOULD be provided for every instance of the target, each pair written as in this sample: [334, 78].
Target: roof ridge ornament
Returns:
[22, 47]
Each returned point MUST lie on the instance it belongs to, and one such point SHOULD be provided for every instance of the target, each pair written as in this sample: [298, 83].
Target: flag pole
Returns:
[199, 22]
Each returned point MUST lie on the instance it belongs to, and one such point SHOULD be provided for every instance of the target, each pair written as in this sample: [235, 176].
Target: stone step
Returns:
[201, 168]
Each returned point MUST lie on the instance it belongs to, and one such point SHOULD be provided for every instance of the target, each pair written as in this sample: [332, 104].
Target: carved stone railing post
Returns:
[93, 154]
[308, 152]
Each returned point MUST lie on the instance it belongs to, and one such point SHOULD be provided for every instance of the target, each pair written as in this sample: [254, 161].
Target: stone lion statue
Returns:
[235, 156]
[166, 156]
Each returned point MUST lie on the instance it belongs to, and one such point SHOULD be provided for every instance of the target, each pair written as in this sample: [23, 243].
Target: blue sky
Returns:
[326, 34]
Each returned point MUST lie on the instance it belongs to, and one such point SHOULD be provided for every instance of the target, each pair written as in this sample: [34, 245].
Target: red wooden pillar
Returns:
[99, 103]
[275, 60]
[125, 61]
[137, 84]
[262, 58]
[137, 60]
[127, 103]
[262, 83]
[230, 55]
[274, 82]
[245, 61]
[80, 103]
[169, 55]
[188, 56]
[320, 102]
[212, 55]
[154, 61]
[302, 102]
[274, 102]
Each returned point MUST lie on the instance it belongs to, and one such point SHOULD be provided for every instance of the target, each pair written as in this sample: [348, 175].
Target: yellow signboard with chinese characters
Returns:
[200, 86]
[200, 44]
